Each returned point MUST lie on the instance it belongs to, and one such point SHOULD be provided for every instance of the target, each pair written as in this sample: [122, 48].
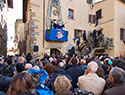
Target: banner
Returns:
[56, 35]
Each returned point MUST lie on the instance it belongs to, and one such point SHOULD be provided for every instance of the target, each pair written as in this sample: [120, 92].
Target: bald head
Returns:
[61, 64]
[28, 66]
[92, 66]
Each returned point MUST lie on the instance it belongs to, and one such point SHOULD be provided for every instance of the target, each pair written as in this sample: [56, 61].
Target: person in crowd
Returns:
[54, 62]
[36, 68]
[75, 71]
[38, 62]
[29, 57]
[21, 83]
[83, 64]
[45, 59]
[2, 93]
[5, 82]
[65, 60]
[50, 59]
[38, 78]
[100, 72]
[107, 66]
[22, 55]
[1, 63]
[62, 86]
[49, 68]
[26, 93]
[28, 66]
[21, 64]
[84, 36]
[94, 36]
[21, 60]
[119, 63]
[90, 81]
[57, 72]
[117, 80]
[9, 70]
[15, 61]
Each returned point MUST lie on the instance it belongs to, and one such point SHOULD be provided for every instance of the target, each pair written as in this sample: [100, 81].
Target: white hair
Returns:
[93, 66]
[21, 59]
[36, 68]
[50, 59]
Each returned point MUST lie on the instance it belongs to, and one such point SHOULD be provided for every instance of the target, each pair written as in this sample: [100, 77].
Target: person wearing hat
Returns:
[38, 78]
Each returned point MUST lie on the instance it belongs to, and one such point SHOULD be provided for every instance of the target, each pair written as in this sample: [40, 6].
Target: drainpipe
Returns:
[43, 23]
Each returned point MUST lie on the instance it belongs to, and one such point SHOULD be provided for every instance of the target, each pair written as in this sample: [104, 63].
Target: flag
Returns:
[96, 23]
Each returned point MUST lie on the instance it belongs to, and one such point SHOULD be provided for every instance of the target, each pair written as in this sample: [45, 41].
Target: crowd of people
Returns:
[62, 75]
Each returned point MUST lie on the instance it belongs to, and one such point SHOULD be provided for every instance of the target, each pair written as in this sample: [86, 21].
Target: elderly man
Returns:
[90, 81]
[117, 78]
[28, 66]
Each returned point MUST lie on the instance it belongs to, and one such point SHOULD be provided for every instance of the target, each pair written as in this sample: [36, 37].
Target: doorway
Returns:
[55, 52]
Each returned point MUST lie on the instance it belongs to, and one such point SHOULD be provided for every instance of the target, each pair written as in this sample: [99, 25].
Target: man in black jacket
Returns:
[5, 83]
[75, 71]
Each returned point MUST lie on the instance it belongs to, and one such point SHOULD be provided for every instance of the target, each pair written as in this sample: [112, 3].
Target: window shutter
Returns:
[94, 18]
[90, 18]
[99, 14]
[122, 34]
[75, 33]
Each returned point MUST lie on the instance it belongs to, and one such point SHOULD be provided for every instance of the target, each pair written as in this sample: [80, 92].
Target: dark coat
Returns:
[59, 71]
[115, 90]
[2, 93]
[20, 67]
[75, 71]
[8, 70]
[4, 83]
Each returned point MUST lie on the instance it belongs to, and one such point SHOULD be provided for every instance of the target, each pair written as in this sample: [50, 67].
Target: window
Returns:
[71, 13]
[92, 18]
[89, 1]
[123, 1]
[10, 3]
[122, 34]
[99, 14]
[78, 33]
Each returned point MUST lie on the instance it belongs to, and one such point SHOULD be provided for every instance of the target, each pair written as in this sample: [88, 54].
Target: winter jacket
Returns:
[5, 83]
